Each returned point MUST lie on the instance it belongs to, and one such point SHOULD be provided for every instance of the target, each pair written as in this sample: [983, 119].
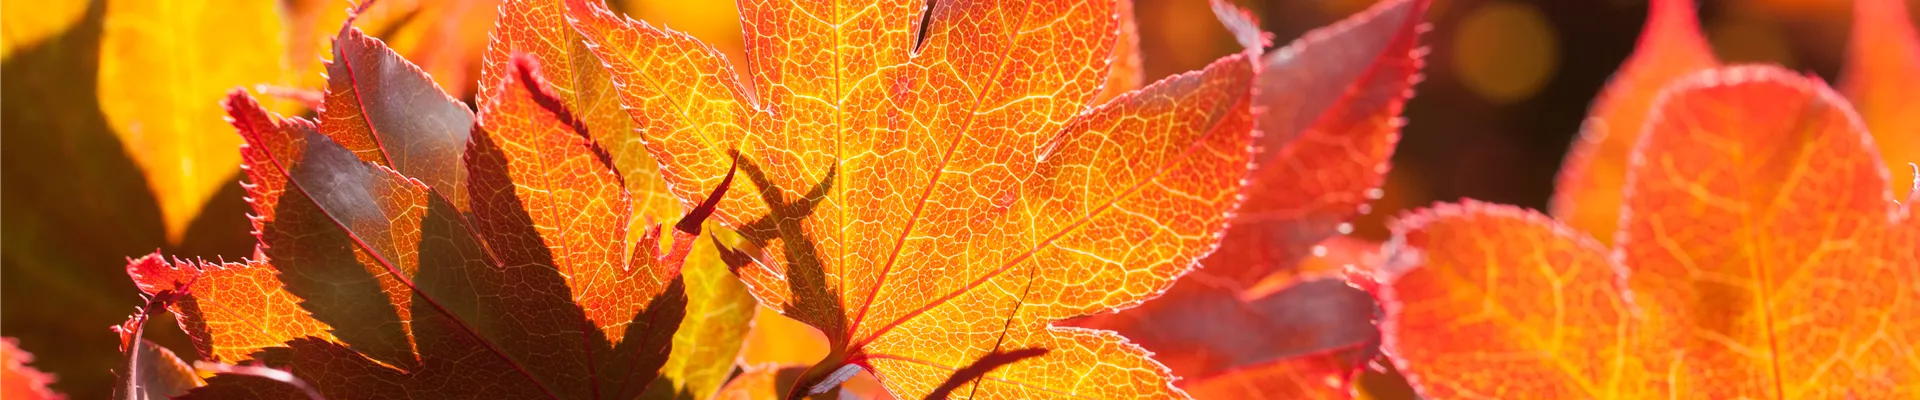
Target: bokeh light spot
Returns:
[1504, 51]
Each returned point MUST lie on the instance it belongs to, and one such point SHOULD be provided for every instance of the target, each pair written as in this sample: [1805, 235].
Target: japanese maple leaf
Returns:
[933, 184]
[1332, 101]
[1760, 254]
[19, 380]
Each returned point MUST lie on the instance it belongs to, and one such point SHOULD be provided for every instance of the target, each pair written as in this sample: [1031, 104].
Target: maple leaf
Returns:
[1332, 98]
[19, 380]
[1761, 254]
[167, 124]
[924, 205]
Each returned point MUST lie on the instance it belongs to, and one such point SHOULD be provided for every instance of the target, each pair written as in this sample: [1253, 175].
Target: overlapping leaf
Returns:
[383, 110]
[923, 205]
[1761, 255]
[428, 255]
[166, 124]
[1332, 100]
[718, 306]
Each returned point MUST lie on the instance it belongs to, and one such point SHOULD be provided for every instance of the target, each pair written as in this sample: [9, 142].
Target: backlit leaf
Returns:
[19, 380]
[923, 205]
[163, 68]
[1587, 192]
[1333, 100]
[1761, 255]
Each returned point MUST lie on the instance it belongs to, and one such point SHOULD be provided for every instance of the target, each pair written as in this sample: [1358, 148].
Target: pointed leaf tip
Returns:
[691, 223]
[1242, 24]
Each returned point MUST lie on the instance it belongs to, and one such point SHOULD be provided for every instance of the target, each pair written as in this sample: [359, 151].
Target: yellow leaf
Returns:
[164, 66]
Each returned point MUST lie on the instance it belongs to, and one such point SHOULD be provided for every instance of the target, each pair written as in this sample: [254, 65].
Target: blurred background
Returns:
[1507, 85]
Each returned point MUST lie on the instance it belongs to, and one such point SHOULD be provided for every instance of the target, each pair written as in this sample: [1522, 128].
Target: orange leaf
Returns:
[19, 380]
[1882, 68]
[1588, 194]
[908, 190]
[1762, 248]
